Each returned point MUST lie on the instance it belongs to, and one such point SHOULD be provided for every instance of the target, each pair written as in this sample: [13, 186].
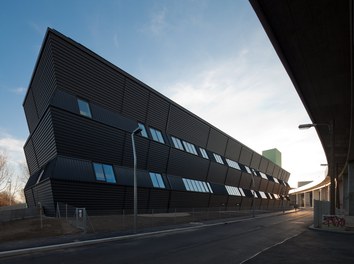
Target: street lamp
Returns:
[136, 131]
[330, 127]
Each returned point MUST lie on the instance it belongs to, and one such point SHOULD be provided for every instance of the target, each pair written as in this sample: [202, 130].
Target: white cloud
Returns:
[258, 106]
[13, 148]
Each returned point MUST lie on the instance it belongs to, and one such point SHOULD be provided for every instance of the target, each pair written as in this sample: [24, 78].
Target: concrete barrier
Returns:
[15, 214]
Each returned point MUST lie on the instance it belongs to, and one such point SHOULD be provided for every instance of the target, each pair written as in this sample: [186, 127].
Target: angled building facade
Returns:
[81, 111]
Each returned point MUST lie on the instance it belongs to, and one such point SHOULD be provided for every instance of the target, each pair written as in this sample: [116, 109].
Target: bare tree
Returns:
[5, 173]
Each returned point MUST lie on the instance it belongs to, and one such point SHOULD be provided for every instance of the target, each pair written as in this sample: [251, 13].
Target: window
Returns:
[276, 180]
[190, 148]
[218, 158]
[143, 130]
[248, 169]
[156, 179]
[204, 153]
[263, 195]
[231, 190]
[84, 108]
[233, 164]
[156, 135]
[196, 186]
[263, 175]
[104, 172]
[177, 143]
[40, 177]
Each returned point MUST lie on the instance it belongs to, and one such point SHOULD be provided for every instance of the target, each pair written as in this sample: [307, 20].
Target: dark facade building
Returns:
[81, 111]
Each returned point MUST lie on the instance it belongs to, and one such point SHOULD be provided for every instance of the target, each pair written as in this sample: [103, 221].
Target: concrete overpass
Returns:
[314, 41]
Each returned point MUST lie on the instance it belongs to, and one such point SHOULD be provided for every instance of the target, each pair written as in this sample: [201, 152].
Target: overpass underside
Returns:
[314, 41]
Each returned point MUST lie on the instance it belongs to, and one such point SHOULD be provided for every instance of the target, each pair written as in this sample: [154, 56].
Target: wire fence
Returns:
[124, 220]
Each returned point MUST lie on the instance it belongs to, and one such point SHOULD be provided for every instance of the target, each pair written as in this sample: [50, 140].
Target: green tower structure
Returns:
[273, 155]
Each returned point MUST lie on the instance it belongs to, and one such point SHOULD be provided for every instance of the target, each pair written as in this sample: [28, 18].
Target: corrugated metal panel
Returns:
[246, 180]
[257, 183]
[43, 194]
[44, 141]
[245, 156]
[188, 200]
[30, 111]
[125, 176]
[141, 147]
[159, 199]
[256, 160]
[217, 142]
[234, 202]
[264, 204]
[217, 173]
[276, 171]
[233, 149]
[218, 189]
[218, 200]
[65, 101]
[83, 75]
[263, 186]
[185, 126]
[177, 165]
[112, 118]
[176, 183]
[158, 157]
[246, 203]
[44, 83]
[257, 203]
[135, 101]
[73, 170]
[270, 187]
[29, 198]
[30, 156]
[276, 188]
[143, 198]
[157, 112]
[270, 168]
[233, 177]
[264, 165]
[95, 197]
[81, 137]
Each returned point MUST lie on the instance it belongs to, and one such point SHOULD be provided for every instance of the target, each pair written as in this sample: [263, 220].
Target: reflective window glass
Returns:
[84, 108]
[143, 130]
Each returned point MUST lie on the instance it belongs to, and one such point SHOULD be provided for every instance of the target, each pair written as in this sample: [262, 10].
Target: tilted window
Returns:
[104, 172]
[156, 135]
[84, 108]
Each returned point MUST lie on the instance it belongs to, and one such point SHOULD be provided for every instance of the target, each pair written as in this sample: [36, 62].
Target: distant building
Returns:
[273, 155]
[81, 111]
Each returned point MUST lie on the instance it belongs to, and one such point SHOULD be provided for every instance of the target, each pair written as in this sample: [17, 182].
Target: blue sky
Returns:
[212, 57]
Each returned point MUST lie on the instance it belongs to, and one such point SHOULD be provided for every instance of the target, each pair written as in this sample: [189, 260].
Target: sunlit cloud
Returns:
[13, 148]
[257, 106]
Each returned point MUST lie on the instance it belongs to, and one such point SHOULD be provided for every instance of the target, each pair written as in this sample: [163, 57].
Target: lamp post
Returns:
[330, 127]
[136, 131]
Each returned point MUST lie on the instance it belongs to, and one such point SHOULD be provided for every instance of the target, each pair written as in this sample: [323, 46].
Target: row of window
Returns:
[105, 173]
[156, 135]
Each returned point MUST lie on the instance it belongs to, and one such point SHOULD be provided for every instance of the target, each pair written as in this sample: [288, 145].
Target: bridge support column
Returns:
[351, 188]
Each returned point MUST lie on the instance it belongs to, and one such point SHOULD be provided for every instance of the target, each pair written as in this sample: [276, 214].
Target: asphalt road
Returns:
[275, 239]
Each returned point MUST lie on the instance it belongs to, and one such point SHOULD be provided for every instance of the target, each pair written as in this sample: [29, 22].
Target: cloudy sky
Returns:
[212, 57]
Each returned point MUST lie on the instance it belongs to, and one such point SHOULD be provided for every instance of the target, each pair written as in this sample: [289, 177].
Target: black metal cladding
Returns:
[64, 143]
[198, 171]
[186, 126]
[30, 156]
